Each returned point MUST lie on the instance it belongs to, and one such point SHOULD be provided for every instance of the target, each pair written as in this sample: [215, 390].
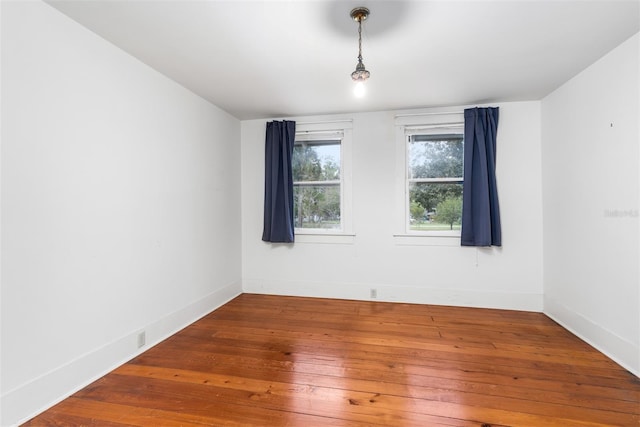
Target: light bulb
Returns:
[359, 90]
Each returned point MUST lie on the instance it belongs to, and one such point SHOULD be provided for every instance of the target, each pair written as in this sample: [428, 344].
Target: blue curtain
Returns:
[480, 208]
[278, 182]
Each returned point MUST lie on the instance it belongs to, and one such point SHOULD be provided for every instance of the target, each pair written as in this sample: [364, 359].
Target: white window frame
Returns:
[406, 126]
[322, 131]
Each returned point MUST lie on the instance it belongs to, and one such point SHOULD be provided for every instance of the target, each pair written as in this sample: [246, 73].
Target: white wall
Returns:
[590, 170]
[435, 270]
[120, 207]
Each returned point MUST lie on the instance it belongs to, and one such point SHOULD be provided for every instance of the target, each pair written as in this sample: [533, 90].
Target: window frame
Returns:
[330, 131]
[407, 126]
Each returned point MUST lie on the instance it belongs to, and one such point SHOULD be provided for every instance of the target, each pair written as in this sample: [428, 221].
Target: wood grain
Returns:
[265, 360]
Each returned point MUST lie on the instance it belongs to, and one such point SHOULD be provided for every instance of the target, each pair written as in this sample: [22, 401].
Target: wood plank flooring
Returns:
[286, 361]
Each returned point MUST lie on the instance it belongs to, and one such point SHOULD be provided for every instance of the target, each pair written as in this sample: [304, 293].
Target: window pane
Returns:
[316, 161]
[316, 206]
[435, 206]
[435, 156]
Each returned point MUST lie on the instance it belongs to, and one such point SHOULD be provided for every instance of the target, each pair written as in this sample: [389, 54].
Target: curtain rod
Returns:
[325, 122]
[437, 126]
[330, 132]
[429, 114]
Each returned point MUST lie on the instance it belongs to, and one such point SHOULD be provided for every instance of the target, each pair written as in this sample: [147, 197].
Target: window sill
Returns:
[428, 239]
[326, 238]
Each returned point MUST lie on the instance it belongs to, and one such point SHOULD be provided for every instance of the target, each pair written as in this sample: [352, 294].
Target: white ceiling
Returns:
[266, 59]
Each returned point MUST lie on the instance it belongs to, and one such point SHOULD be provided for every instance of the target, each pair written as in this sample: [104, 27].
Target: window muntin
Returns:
[317, 183]
[434, 177]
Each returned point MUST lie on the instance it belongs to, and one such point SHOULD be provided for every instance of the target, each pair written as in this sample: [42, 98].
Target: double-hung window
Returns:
[319, 182]
[432, 168]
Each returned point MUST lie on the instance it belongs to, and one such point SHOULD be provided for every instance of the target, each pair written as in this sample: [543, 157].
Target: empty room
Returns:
[320, 213]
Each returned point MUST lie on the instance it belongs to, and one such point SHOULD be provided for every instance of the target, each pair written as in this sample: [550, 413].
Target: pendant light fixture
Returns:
[360, 75]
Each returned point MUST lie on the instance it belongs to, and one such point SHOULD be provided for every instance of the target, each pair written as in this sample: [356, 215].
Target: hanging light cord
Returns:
[360, 40]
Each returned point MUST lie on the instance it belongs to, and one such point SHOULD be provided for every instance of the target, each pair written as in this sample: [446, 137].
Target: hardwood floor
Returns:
[285, 361]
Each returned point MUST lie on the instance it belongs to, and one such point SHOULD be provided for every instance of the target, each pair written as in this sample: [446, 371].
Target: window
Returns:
[434, 181]
[319, 182]
[432, 168]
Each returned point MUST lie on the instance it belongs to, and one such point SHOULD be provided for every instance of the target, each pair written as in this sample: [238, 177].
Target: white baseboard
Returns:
[394, 293]
[620, 350]
[23, 403]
